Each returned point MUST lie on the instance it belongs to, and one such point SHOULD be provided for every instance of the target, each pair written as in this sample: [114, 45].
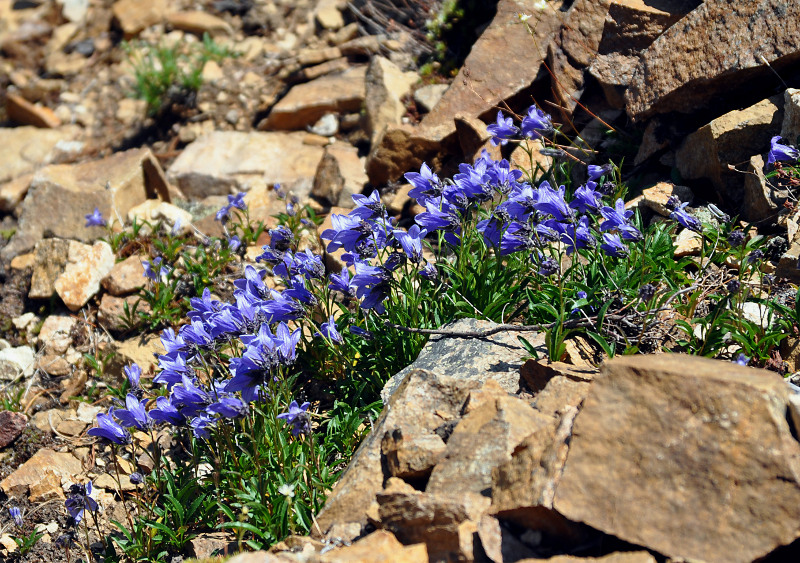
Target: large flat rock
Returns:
[714, 50]
[687, 456]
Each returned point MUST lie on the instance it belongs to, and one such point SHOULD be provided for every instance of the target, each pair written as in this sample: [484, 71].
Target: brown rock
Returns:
[386, 84]
[134, 16]
[111, 313]
[13, 192]
[125, 277]
[11, 426]
[50, 259]
[790, 128]
[401, 149]
[690, 457]
[26, 148]
[704, 67]
[154, 211]
[411, 456]
[633, 25]
[198, 23]
[49, 488]
[340, 174]
[378, 547]
[140, 350]
[412, 406]
[614, 72]
[223, 162]
[472, 135]
[481, 441]
[556, 386]
[206, 546]
[729, 139]
[761, 198]
[21, 111]
[86, 266]
[306, 103]
[333, 261]
[75, 190]
[687, 243]
[619, 557]
[528, 158]
[71, 428]
[656, 197]
[482, 83]
[328, 14]
[63, 465]
[787, 266]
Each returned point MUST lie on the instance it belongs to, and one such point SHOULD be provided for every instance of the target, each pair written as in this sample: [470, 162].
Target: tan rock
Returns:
[619, 557]
[386, 84]
[410, 406]
[55, 334]
[48, 488]
[22, 112]
[71, 428]
[111, 313]
[26, 148]
[134, 16]
[378, 547]
[530, 160]
[690, 457]
[556, 386]
[228, 161]
[656, 197]
[13, 192]
[130, 111]
[16, 362]
[125, 277]
[340, 174]
[790, 128]
[400, 149]
[113, 184]
[140, 350]
[761, 198]
[198, 23]
[47, 421]
[328, 14]
[23, 261]
[705, 69]
[687, 243]
[86, 266]
[426, 97]
[43, 462]
[306, 103]
[482, 83]
[155, 211]
[50, 260]
[411, 456]
[729, 139]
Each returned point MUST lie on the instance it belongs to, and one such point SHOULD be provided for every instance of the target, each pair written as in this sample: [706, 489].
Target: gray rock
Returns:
[497, 357]
[15, 362]
[429, 95]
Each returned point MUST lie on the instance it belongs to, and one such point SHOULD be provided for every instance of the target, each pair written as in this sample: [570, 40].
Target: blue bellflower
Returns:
[108, 428]
[777, 151]
[79, 501]
[502, 130]
[536, 123]
[95, 219]
[297, 418]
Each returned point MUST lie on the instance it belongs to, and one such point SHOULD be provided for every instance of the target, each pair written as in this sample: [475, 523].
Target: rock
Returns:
[198, 23]
[729, 139]
[140, 350]
[44, 461]
[16, 362]
[49, 488]
[55, 335]
[87, 413]
[481, 441]
[790, 128]
[424, 401]
[74, 10]
[21, 111]
[111, 313]
[481, 83]
[328, 14]
[614, 72]
[224, 162]
[130, 111]
[574, 47]
[46, 421]
[340, 174]
[71, 428]
[326, 126]
[521, 160]
[23, 261]
[333, 261]
[50, 259]
[113, 185]
[556, 386]
[664, 442]
[687, 243]
[25, 148]
[134, 16]
[761, 198]
[704, 67]
[155, 211]
[380, 546]
[473, 137]
[497, 357]
[86, 266]
[305, 103]
[13, 192]
[206, 546]
[426, 97]
[125, 277]
[619, 557]
[11, 424]
[401, 149]
[386, 84]
[411, 456]
[656, 196]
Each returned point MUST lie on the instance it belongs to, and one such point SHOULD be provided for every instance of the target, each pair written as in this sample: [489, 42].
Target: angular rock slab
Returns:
[499, 357]
[224, 162]
[61, 195]
[45, 461]
[423, 402]
[714, 49]
[687, 456]
[86, 267]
